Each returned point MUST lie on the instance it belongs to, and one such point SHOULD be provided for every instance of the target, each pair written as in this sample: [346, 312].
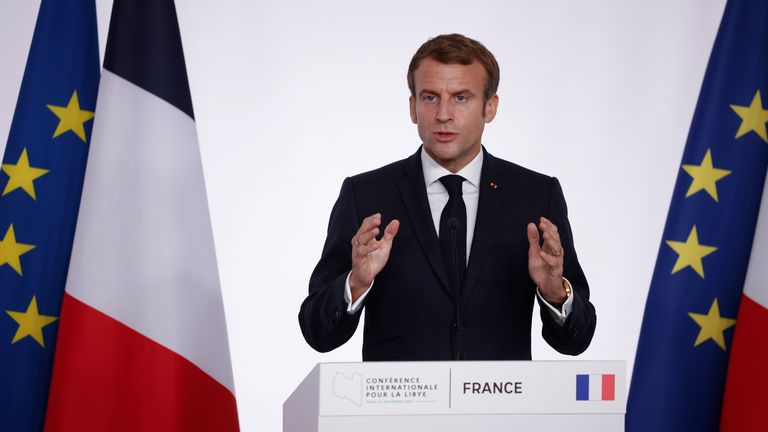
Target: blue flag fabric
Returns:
[682, 355]
[40, 184]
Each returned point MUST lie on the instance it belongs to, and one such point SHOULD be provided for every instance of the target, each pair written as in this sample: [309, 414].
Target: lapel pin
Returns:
[494, 185]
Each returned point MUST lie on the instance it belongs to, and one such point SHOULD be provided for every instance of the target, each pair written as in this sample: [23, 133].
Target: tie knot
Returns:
[452, 183]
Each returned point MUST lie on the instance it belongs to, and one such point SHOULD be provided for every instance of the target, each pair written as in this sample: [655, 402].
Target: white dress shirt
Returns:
[437, 196]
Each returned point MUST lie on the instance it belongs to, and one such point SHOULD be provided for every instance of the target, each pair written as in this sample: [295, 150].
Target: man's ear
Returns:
[412, 104]
[490, 108]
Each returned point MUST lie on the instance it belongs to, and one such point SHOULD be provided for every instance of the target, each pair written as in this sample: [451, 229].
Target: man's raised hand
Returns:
[545, 262]
[369, 255]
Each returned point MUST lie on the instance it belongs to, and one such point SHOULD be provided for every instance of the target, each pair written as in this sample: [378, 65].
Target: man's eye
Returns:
[461, 98]
[430, 98]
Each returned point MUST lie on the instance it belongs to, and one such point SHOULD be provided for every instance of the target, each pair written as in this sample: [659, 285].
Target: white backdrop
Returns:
[290, 97]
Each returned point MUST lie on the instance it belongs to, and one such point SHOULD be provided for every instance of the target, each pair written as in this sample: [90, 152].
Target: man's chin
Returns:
[449, 158]
[442, 152]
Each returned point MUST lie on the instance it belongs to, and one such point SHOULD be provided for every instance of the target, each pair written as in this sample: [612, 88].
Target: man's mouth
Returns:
[445, 136]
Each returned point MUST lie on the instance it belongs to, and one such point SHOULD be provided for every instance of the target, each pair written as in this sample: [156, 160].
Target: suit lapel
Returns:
[414, 194]
[489, 208]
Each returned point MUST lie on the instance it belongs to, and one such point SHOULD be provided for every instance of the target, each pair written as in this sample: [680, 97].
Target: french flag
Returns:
[143, 341]
[595, 387]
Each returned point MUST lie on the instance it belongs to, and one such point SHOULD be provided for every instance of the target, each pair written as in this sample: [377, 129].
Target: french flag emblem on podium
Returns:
[595, 387]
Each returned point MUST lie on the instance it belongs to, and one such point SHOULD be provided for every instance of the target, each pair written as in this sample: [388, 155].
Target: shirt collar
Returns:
[433, 171]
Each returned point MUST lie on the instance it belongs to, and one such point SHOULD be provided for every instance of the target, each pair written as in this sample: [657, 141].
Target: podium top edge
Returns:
[462, 362]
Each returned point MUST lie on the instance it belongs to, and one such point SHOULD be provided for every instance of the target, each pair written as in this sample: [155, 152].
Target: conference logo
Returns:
[349, 388]
[358, 389]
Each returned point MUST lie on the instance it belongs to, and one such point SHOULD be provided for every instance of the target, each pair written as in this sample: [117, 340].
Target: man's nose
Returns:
[444, 111]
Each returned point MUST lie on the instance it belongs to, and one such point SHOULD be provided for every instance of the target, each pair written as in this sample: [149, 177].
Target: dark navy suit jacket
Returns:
[410, 311]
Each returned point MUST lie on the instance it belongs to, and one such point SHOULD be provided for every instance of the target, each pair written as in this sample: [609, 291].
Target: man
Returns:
[439, 248]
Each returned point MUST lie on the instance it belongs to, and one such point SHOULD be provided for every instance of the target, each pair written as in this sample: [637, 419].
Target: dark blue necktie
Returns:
[455, 209]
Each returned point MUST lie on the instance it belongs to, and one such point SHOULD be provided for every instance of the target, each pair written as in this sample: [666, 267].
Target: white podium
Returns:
[571, 396]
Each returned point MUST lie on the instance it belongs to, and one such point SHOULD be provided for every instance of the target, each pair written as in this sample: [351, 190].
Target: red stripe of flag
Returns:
[609, 387]
[744, 401]
[116, 379]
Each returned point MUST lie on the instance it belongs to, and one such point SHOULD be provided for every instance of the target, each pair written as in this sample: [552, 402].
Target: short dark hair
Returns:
[457, 49]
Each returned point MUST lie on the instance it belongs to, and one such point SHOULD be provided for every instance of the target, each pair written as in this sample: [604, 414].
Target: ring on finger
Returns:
[557, 252]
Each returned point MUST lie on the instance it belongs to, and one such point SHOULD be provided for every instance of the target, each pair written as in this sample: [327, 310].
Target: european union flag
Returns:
[690, 314]
[41, 181]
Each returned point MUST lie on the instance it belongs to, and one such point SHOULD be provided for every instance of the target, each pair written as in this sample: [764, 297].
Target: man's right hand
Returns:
[369, 255]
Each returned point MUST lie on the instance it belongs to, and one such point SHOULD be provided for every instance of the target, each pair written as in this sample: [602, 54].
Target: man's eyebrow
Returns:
[465, 91]
[458, 92]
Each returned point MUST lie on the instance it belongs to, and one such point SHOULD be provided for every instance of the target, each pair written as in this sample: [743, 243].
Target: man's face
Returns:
[448, 110]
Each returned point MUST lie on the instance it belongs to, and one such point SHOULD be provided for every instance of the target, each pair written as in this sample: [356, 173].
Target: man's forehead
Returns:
[432, 73]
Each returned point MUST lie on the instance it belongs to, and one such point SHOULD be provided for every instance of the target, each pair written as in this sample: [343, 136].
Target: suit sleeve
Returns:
[575, 335]
[322, 317]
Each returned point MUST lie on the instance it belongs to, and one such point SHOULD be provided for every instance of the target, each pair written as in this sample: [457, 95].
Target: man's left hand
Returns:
[545, 261]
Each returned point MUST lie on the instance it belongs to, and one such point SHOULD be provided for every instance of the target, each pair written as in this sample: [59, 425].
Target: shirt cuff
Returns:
[353, 308]
[559, 315]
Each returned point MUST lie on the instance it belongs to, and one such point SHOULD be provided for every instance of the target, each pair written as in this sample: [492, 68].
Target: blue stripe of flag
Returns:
[582, 387]
[148, 30]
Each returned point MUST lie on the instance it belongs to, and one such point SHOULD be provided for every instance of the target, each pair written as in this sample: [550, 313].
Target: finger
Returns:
[364, 250]
[548, 222]
[533, 238]
[548, 227]
[556, 263]
[366, 237]
[391, 231]
[369, 223]
[552, 244]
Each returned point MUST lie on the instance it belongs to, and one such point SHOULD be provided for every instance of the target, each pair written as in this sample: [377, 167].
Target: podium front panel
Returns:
[413, 395]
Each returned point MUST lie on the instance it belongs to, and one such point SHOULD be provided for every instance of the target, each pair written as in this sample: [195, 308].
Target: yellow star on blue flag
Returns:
[11, 250]
[753, 118]
[30, 323]
[705, 176]
[712, 326]
[690, 253]
[22, 175]
[71, 117]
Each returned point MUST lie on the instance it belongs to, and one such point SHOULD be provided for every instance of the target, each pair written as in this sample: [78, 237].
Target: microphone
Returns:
[453, 225]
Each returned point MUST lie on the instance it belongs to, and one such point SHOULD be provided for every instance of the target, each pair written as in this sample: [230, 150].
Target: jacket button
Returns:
[574, 331]
[335, 317]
